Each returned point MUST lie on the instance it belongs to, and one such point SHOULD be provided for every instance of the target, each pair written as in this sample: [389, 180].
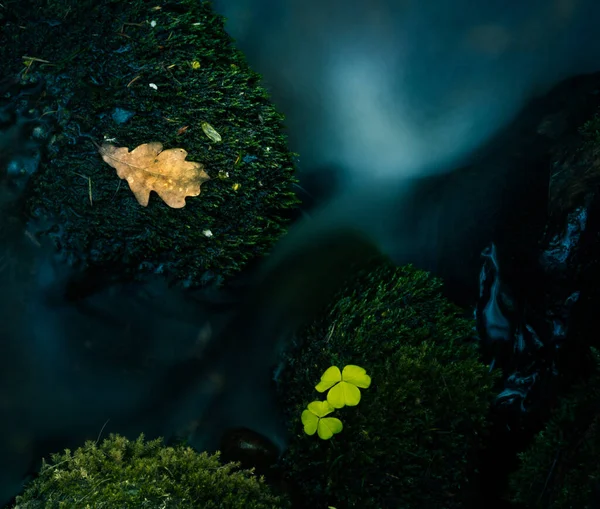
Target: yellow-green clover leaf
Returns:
[315, 420]
[344, 385]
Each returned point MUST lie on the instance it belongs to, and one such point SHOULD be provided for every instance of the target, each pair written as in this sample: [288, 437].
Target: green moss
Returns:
[101, 55]
[123, 474]
[413, 439]
[561, 468]
[590, 131]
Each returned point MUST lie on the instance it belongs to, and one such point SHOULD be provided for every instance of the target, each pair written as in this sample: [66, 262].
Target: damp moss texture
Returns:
[136, 72]
[136, 474]
[560, 469]
[413, 440]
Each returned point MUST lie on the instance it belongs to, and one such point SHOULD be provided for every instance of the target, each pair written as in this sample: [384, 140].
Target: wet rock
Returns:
[570, 249]
[553, 126]
[508, 341]
[539, 288]
[122, 116]
[250, 448]
[538, 271]
[24, 135]
[19, 170]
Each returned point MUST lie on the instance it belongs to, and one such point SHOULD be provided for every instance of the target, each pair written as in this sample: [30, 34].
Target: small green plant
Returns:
[344, 390]
[344, 386]
[315, 420]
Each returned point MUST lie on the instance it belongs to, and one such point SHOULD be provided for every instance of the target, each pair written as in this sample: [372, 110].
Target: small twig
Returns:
[89, 179]
[99, 434]
[122, 31]
[48, 113]
[446, 386]
[91, 490]
[90, 191]
[134, 80]
[170, 473]
[116, 190]
[35, 59]
[28, 64]
[59, 463]
[548, 476]
[31, 237]
[172, 75]
[330, 333]
[94, 142]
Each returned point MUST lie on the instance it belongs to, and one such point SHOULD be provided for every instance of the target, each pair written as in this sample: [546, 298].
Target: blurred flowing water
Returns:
[393, 105]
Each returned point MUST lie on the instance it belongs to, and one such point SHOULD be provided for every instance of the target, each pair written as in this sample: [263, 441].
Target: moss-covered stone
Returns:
[124, 474]
[413, 439]
[98, 59]
[561, 469]
[590, 131]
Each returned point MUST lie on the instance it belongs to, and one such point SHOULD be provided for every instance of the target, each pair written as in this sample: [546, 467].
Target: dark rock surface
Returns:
[539, 281]
[531, 289]
[96, 71]
[250, 448]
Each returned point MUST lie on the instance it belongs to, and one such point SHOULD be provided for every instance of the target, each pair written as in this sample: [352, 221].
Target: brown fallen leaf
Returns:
[148, 168]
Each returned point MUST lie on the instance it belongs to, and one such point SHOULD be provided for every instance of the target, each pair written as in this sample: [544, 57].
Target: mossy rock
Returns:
[120, 473]
[590, 131]
[97, 59]
[561, 469]
[413, 439]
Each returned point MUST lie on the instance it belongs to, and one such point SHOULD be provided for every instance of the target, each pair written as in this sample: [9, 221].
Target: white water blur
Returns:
[390, 88]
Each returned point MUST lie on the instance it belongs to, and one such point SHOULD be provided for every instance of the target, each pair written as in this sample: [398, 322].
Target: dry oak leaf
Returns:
[148, 168]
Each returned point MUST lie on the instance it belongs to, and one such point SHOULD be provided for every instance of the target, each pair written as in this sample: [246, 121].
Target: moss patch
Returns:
[412, 440]
[561, 469]
[590, 131]
[98, 60]
[124, 474]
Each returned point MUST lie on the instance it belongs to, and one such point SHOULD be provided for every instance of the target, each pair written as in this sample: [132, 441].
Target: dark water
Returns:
[377, 95]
